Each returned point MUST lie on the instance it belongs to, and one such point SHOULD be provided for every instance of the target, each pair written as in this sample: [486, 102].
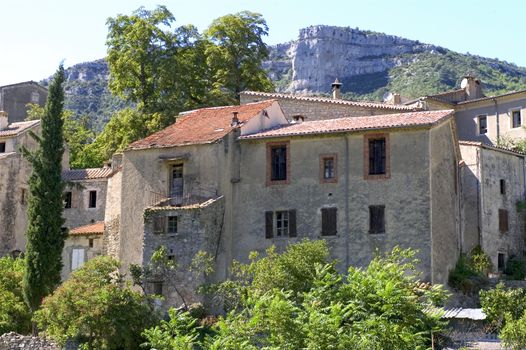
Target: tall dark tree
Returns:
[45, 237]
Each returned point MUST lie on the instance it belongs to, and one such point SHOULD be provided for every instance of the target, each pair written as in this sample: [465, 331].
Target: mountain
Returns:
[369, 64]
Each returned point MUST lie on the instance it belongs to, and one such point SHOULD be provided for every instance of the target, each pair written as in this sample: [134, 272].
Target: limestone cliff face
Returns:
[322, 53]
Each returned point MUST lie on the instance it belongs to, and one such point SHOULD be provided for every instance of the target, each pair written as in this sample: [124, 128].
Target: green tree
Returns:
[14, 313]
[95, 307]
[236, 53]
[45, 237]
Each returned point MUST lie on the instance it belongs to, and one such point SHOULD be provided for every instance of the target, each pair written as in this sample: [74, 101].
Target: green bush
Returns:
[515, 268]
[14, 313]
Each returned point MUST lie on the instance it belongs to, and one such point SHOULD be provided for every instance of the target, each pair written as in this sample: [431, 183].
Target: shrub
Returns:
[14, 313]
[515, 268]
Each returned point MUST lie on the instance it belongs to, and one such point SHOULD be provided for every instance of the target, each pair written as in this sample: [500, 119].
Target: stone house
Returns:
[83, 243]
[492, 187]
[479, 117]
[235, 179]
[15, 97]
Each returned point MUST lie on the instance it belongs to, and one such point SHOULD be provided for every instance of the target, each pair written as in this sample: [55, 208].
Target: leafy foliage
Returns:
[515, 268]
[14, 313]
[96, 308]
[45, 237]
[380, 307]
[470, 272]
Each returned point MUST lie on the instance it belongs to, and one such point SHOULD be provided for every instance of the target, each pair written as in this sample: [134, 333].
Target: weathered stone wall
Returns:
[14, 98]
[112, 216]
[444, 202]
[80, 214]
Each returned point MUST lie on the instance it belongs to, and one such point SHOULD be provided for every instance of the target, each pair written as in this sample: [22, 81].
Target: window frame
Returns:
[485, 116]
[366, 163]
[90, 199]
[383, 222]
[323, 158]
[168, 223]
[77, 266]
[512, 111]
[68, 200]
[270, 146]
[271, 224]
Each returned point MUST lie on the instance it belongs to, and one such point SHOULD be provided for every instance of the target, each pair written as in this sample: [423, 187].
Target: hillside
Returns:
[369, 64]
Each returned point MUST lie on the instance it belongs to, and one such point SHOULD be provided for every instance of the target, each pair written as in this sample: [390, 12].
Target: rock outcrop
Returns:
[14, 341]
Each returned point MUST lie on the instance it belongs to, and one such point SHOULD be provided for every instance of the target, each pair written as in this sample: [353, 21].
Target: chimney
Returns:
[3, 120]
[472, 87]
[235, 120]
[336, 89]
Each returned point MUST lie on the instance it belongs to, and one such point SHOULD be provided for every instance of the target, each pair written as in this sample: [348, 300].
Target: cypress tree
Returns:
[45, 237]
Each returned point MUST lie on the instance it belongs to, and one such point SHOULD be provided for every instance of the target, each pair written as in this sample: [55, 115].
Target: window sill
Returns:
[377, 177]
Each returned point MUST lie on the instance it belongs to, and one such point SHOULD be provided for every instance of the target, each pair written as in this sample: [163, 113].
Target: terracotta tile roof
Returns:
[14, 129]
[387, 121]
[92, 229]
[86, 174]
[201, 126]
[492, 147]
[364, 104]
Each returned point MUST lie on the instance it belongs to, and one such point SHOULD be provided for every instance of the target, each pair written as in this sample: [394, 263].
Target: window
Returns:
[503, 220]
[23, 196]
[281, 223]
[159, 224]
[516, 119]
[329, 221]
[502, 186]
[172, 224]
[278, 158]
[67, 200]
[482, 124]
[2, 147]
[501, 262]
[92, 199]
[177, 181]
[328, 168]
[376, 219]
[376, 156]
[77, 258]
[90, 242]
[157, 288]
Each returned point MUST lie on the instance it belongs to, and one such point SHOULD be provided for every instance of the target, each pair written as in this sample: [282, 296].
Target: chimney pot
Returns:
[336, 89]
[235, 120]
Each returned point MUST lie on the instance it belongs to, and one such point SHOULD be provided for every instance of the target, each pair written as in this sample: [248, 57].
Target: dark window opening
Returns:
[483, 125]
[329, 221]
[90, 242]
[23, 196]
[376, 219]
[516, 119]
[377, 157]
[2, 147]
[67, 200]
[172, 224]
[328, 168]
[502, 186]
[158, 288]
[92, 199]
[278, 164]
[503, 220]
[501, 262]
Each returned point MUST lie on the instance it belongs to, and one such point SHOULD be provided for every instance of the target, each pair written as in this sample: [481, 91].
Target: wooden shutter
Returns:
[376, 219]
[328, 221]
[269, 224]
[159, 224]
[292, 223]
[503, 220]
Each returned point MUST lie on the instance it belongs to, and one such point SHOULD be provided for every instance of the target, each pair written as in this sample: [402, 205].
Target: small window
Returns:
[502, 186]
[157, 288]
[92, 199]
[376, 219]
[282, 223]
[516, 119]
[503, 220]
[23, 196]
[328, 168]
[159, 224]
[77, 258]
[482, 124]
[90, 242]
[501, 264]
[2, 147]
[329, 221]
[172, 224]
[377, 159]
[278, 163]
[67, 200]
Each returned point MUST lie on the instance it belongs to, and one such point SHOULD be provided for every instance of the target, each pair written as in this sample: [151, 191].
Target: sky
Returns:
[36, 35]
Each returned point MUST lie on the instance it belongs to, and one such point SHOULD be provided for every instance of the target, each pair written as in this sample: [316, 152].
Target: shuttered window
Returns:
[269, 224]
[329, 217]
[377, 157]
[159, 224]
[280, 223]
[503, 220]
[77, 258]
[376, 219]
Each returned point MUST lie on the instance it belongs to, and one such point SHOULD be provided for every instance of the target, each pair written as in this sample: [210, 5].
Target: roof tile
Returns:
[204, 125]
[14, 129]
[92, 229]
[387, 121]
[86, 174]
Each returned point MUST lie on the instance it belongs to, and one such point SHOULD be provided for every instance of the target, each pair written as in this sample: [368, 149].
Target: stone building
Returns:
[15, 97]
[235, 179]
[83, 243]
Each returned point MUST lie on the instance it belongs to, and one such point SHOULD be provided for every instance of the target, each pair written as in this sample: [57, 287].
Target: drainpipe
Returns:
[497, 117]
[347, 214]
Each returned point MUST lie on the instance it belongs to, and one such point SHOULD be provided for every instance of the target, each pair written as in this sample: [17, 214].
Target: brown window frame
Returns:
[270, 147]
[376, 228]
[504, 223]
[366, 160]
[323, 158]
